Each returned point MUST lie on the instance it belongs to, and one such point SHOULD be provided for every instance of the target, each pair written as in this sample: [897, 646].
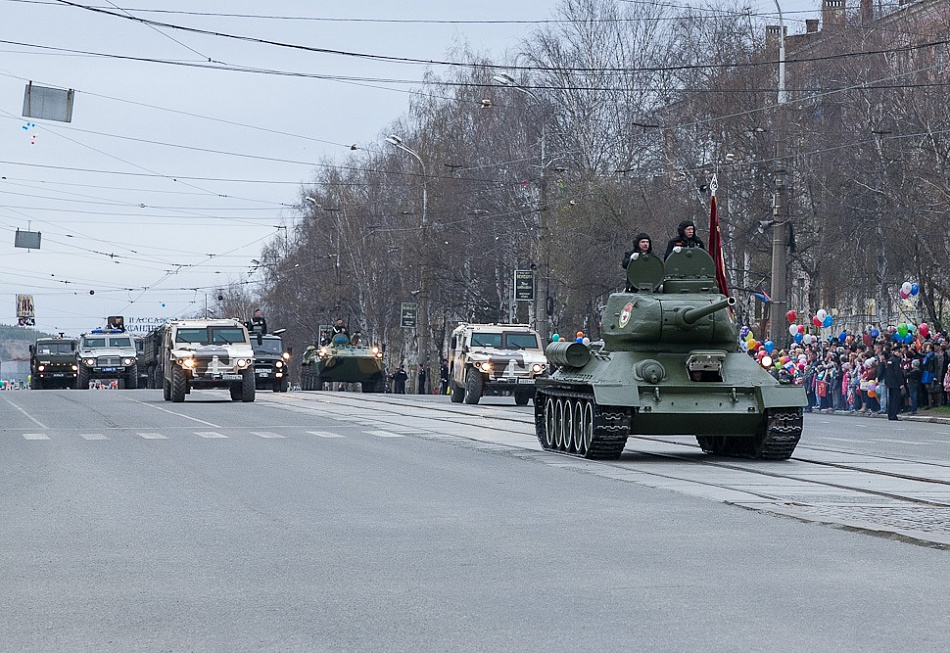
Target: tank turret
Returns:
[668, 364]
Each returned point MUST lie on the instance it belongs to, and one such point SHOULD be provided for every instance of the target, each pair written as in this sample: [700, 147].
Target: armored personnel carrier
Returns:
[342, 360]
[668, 365]
[53, 363]
[206, 353]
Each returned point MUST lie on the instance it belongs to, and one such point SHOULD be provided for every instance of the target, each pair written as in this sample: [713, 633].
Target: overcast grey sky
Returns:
[172, 176]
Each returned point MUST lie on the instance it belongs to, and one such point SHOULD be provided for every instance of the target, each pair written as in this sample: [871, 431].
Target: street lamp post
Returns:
[423, 312]
[779, 208]
[543, 253]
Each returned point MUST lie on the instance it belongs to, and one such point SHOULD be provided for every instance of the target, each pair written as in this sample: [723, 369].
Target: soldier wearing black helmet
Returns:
[686, 238]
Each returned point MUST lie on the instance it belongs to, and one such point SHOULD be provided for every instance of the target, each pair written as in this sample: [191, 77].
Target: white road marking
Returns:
[93, 436]
[210, 434]
[916, 444]
[325, 434]
[171, 412]
[384, 434]
[28, 416]
[825, 437]
[266, 434]
[35, 436]
[152, 436]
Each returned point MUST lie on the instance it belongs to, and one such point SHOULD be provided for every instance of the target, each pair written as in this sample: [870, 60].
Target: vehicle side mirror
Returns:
[32, 350]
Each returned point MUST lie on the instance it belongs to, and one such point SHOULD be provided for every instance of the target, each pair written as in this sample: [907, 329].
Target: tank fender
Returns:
[781, 396]
[615, 394]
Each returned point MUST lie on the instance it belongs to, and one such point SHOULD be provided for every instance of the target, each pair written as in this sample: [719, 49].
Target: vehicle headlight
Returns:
[243, 362]
[90, 361]
[41, 367]
[75, 367]
[128, 361]
[188, 363]
[484, 366]
[286, 356]
[279, 364]
[537, 367]
[375, 349]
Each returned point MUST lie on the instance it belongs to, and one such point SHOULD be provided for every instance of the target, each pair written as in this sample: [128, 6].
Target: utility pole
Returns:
[779, 305]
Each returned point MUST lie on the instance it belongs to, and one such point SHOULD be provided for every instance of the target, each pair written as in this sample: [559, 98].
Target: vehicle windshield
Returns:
[521, 341]
[267, 346]
[486, 340]
[53, 348]
[120, 342]
[211, 336]
[93, 342]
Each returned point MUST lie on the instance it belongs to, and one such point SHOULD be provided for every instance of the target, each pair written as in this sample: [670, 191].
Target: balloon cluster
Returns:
[747, 341]
[580, 337]
[797, 331]
[908, 289]
[905, 332]
[822, 319]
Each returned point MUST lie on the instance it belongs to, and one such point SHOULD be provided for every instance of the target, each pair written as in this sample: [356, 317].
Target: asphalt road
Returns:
[309, 522]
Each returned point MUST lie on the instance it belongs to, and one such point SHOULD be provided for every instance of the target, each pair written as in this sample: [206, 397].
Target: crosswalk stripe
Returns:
[35, 436]
[93, 436]
[266, 434]
[152, 436]
[384, 434]
[325, 434]
[210, 434]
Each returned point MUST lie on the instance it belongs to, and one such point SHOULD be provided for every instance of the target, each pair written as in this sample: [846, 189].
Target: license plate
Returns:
[526, 381]
[108, 369]
[263, 373]
[231, 377]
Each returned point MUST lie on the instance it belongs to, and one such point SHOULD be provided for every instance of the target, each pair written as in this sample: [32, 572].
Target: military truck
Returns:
[271, 361]
[206, 353]
[494, 359]
[106, 355]
[342, 359]
[53, 363]
[668, 364]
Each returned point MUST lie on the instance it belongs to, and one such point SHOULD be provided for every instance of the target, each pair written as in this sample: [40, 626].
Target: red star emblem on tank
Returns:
[625, 314]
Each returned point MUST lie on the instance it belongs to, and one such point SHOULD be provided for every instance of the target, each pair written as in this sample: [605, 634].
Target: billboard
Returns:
[48, 103]
[524, 285]
[407, 315]
[24, 310]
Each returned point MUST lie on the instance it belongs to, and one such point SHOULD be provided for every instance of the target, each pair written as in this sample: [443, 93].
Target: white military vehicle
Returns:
[494, 359]
[106, 355]
[206, 354]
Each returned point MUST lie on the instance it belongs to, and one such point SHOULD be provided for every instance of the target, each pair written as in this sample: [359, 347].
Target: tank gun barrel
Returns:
[691, 315]
[565, 353]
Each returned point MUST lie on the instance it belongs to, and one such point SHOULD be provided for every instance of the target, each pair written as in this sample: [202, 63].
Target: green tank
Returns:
[668, 364]
[343, 361]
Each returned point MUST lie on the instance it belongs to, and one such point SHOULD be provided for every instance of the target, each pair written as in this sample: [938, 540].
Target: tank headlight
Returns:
[128, 361]
[766, 362]
[375, 349]
[279, 364]
[41, 367]
[286, 355]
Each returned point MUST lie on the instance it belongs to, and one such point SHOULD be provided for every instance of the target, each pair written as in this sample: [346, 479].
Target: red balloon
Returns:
[816, 321]
[801, 328]
[791, 316]
[923, 329]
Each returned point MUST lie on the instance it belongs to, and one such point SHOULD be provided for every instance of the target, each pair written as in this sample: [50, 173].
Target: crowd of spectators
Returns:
[847, 372]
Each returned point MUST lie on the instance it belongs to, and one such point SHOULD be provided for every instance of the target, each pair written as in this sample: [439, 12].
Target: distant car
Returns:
[271, 362]
[53, 363]
[106, 354]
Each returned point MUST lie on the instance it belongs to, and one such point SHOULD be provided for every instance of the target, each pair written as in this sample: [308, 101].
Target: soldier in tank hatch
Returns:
[642, 244]
[686, 238]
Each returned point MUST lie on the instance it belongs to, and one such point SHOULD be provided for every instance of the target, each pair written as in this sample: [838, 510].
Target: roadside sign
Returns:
[524, 285]
[407, 319]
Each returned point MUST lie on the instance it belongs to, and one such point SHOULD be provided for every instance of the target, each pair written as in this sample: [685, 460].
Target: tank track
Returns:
[608, 431]
[782, 432]
[777, 441]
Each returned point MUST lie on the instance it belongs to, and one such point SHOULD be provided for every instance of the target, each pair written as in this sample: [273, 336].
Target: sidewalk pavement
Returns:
[921, 416]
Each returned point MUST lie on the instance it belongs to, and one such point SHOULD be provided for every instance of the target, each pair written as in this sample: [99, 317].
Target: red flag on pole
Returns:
[715, 240]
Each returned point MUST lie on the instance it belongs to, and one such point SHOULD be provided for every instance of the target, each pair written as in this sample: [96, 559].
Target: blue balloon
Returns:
[843, 336]
[875, 333]
[909, 338]
[555, 338]
[798, 338]
[579, 339]
[914, 288]
[910, 328]
[769, 346]
[828, 321]
[743, 332]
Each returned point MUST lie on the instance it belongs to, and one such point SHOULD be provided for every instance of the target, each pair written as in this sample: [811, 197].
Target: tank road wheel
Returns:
[458, 393]
[82, 378]
[522, 397]
[473, 386]
[132, 377]
[577, 426]
[558, 424]
[166, 390]
[587, 429]
[179, 385]
[248, 385]
[570, 406]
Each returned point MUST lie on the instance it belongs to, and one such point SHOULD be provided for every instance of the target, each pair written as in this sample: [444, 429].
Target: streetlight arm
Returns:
[781, 55]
